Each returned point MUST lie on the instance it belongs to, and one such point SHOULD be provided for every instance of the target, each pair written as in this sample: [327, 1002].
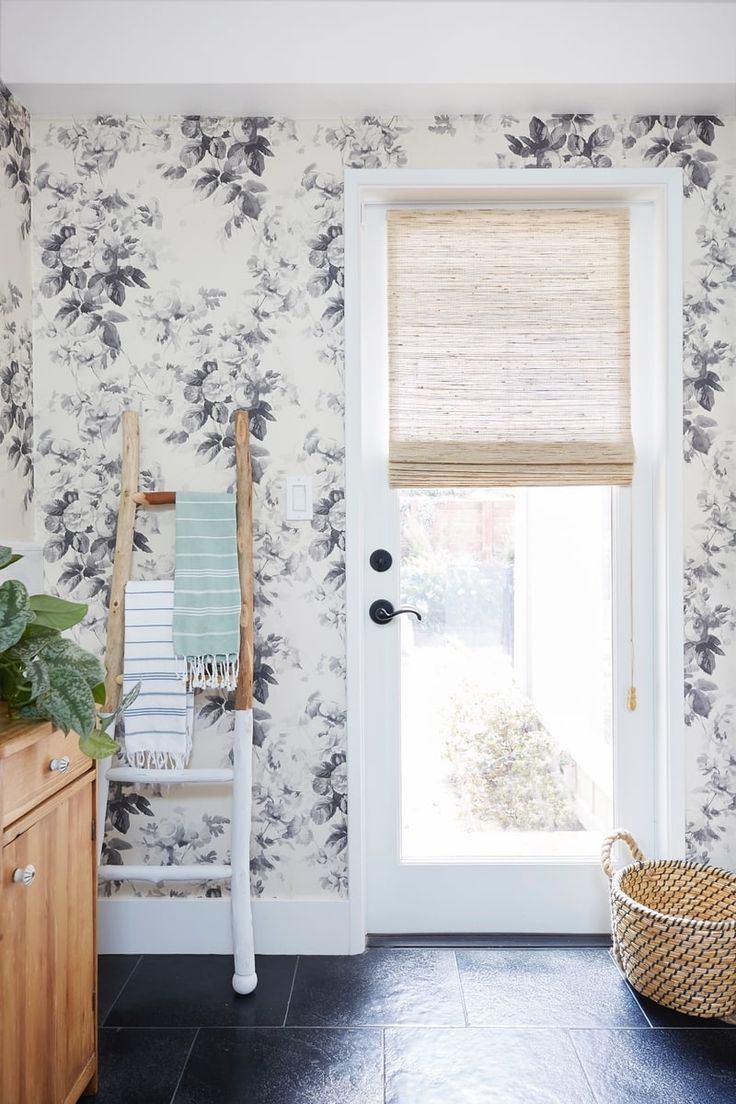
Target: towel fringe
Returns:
[211, 672]
[156, 760]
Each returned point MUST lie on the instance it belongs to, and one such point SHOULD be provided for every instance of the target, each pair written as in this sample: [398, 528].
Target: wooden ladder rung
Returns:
[154, 498]
[192, 872]
[167, 777]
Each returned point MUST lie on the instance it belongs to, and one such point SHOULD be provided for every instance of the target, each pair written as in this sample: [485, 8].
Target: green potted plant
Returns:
[44, 676]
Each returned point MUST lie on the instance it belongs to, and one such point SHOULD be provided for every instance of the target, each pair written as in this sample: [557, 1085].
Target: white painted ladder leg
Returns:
[244, 978]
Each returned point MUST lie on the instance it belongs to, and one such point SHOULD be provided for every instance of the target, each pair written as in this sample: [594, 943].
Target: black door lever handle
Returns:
[382, 611]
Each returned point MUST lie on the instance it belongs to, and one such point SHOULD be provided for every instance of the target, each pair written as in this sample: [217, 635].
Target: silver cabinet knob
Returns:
[25, 875]
[61, 765]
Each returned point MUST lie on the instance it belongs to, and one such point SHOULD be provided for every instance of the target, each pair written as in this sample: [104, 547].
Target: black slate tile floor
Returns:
[659, 1016]
[196, 991]
[414, 1025]
[382, 986]
[546, 986]
[660, 1066]
[472, 1065]
[115, 972]
[272, 1066]
[140, 1066]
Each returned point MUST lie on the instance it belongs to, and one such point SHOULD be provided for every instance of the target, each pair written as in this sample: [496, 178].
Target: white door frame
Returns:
[663, 188]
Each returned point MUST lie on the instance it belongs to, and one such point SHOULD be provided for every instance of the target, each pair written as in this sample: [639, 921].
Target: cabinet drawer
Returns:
[32, 773]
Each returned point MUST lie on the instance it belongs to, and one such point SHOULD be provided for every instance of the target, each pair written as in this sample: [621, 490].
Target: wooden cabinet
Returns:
[48, 970]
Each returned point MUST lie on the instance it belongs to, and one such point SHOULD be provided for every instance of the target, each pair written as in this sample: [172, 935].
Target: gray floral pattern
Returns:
[189, 266]
[16, 382]
[16, 389]
[15, 144]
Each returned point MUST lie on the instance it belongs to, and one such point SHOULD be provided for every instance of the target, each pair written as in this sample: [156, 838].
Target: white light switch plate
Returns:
[298, 498]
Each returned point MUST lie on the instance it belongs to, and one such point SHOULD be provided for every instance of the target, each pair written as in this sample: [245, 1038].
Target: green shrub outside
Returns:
[506, 768]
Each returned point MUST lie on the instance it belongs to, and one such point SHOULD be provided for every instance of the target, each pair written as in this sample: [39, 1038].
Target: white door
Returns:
[498, 744]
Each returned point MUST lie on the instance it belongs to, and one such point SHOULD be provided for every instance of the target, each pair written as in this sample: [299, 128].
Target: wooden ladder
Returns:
[237, 872]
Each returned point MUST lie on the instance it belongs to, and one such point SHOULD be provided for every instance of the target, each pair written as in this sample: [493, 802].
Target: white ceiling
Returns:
[361, 56]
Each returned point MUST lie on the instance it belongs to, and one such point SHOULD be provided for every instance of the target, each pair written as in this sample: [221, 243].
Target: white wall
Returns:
[368, 55]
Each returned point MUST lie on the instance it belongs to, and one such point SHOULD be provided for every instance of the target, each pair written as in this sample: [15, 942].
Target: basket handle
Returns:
[607, 847]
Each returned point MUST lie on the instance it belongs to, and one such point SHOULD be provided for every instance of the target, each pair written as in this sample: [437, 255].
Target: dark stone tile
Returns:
[380, 986]
[140, 1066]
[467, 1066]
[284, 1066]
[112, 973]
[571, 987]
[196, 991]
[659, 1016]
[659, 1067]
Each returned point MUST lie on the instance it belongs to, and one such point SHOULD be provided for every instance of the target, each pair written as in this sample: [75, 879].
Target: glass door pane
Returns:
[506, 683]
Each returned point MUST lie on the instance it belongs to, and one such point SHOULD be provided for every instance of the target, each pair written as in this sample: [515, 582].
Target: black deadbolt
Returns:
[381, 560]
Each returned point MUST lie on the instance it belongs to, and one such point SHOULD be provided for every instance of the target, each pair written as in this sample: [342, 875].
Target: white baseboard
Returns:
[196, 925]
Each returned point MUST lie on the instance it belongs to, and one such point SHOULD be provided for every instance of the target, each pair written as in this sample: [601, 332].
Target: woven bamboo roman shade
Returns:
[508, 335]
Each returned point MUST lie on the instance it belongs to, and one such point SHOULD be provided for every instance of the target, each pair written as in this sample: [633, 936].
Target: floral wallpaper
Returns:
[187, 266]
[16, 383]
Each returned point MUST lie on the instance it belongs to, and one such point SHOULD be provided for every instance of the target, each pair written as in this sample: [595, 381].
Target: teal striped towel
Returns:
[207, 589]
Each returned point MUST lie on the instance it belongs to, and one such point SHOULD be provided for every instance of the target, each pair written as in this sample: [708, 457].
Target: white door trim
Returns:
[664, 188]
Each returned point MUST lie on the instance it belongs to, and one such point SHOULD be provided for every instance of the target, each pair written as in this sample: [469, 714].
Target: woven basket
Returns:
[674, 930]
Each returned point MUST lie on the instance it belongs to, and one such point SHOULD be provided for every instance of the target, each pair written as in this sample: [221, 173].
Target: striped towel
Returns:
[207, 589]
[158, 725]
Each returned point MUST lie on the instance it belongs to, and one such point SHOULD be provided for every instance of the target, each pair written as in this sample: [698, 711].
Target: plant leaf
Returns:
[98, 693]
[37, 674]
[15, 612]
[57, 613]
[8, 556]
[98, 745]
[67, 702]
[36, 633]
[106, 719]
[128, 698]
[65, 655]
[14, 687]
